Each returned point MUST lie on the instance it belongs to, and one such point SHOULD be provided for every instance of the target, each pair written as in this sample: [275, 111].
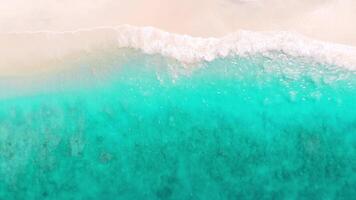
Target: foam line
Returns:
[189, 49]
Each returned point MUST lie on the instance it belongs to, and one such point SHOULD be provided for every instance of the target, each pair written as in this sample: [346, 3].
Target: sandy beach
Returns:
[330, 20]
[325, 20]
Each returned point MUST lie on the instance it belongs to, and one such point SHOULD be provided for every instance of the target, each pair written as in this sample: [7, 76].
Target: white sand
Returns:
[327, 20]
[332, 20]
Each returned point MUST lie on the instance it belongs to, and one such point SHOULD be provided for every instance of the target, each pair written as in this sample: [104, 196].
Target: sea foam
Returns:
[194, 49]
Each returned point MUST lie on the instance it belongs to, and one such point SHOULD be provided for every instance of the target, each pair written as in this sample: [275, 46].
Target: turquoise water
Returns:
[146, 127]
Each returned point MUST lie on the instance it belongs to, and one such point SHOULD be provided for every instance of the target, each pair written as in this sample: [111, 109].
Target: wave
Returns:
[184, 48]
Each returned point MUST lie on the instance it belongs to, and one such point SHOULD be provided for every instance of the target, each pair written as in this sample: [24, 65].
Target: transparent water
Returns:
[145, 127]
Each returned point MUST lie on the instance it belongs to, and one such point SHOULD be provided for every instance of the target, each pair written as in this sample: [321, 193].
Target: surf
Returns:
[42, 50]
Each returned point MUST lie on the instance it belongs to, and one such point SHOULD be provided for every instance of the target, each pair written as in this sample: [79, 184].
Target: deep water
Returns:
[146, 127]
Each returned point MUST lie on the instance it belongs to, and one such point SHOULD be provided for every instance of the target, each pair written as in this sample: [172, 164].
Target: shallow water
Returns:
[146, 127]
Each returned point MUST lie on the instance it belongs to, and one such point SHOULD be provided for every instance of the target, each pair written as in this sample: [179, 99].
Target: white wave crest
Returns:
[194, 49]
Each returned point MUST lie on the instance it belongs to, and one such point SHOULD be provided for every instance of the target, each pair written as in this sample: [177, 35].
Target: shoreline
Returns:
[31, 52]
[35, 34]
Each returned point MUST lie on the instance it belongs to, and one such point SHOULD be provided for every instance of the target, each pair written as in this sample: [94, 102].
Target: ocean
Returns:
[154, 120]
